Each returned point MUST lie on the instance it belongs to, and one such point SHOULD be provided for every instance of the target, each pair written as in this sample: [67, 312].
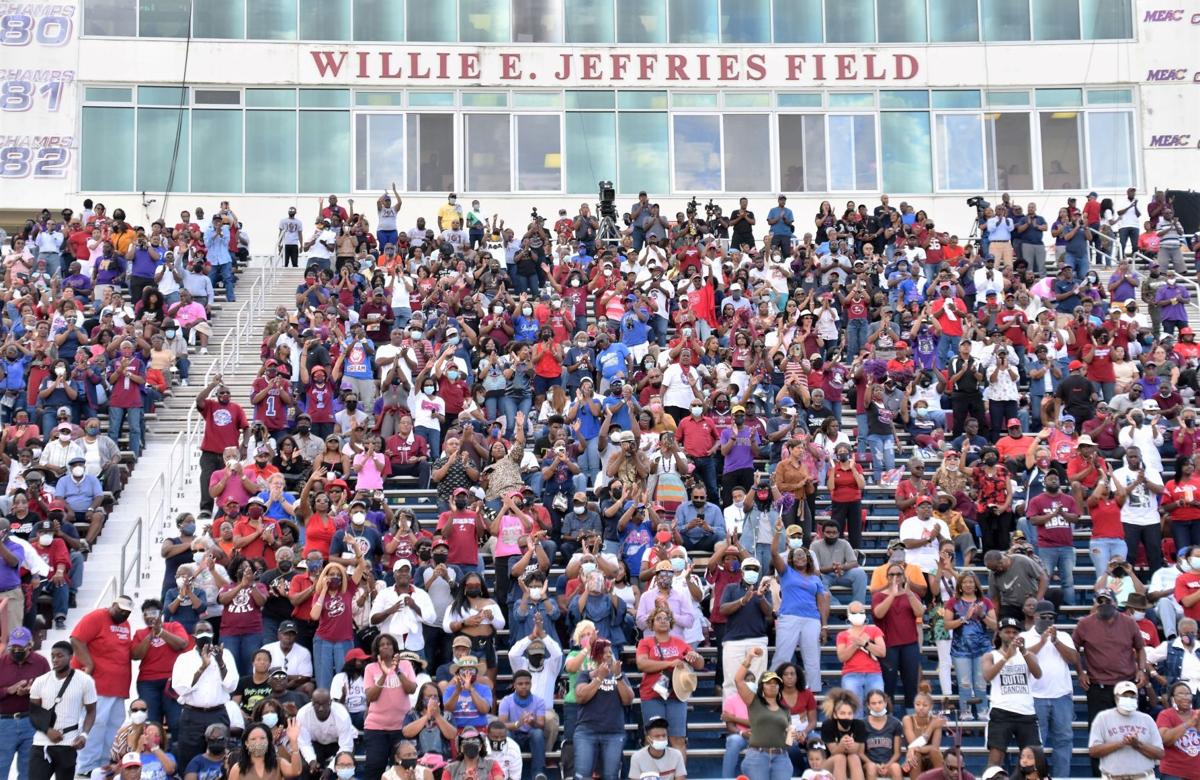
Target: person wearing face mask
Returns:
[404, 610]
[103, 646]
[203, 679]
[102, 457]
[1179, 725]
[53, 550]
[1187, 584]
[803, 608]
[1111, 649]
[1179, 659]
[1122, 741]
[210, 765]
[700, 524]
[224, 424]
[746, 605]
[19, 668]
[157, 646]
[657, 758]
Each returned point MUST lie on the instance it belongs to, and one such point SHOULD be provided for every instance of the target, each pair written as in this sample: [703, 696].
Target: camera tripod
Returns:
[608, 235]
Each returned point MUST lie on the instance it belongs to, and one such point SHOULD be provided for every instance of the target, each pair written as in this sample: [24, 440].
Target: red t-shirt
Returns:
[951, 326]
[1057, 532]
[126, 393]
[337, 616]
[111, 648]
[1188, 490]
[805, 702]
[1091, 211]
[899, 625]
[845, 488]
[55, 555]
[258, 548]
[1185, 585]
[1106, 520]
[861, 661]
[1012, 323]
[271, 410]
[1183, 758]
[1101, 367]
[402, 451]
[320, 402]
[462, 536]
[906, 490]
[160, 659]
[857, 309]
[651, 648]
[223, 426]
[455, 394]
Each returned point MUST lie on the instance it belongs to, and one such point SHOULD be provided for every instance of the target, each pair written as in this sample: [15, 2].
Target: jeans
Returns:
[856, 579]
[971, 684]
[1102, 550]
[15, 738]
[159, 706]
[883, 454]
[242, 648]
[527, 283]
[793, 631]
[534, 741]
[590, 745]
[1077, 262]
[110, 714]
[706, 470]
[327, 659]
[510, 406]
[766, 766]
[589, 460]
[223, 272]
[116, 416]
[860, 421]
[1054, 721]
[860, 684]
[947, 348]
[734, 745]
[1186, 533]
[903, 661]
[1061, 559]
[1130, 234]
[59, 597]
[856, 336]
[434, 437]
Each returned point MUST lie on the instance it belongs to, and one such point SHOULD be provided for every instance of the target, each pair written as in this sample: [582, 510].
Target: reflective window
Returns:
[745, 21]
[537, 21]
[537, 100]
[852, 100]
[158, 132]
[483, 21]
[539, 153]
[379, 139]
[378, 20]
[956, 98]
[217, 97]
[163, 18]
[216, 151]
[271, 20]
[694, 21]
[694, 100]
[1005, 20]
[110, 17]
[485, 99]
[589, 21]
[324, 151]
[1107, 19]
[488, 152]
[643, 150]
[324, 98]
[1059, 98]
[802, 153]
[1110, 149]
[1109, 96]
[799, 100]
[849, 21]
[904, 98]
[395, 99]
[797, 21]
[219, 19]
[161, 96]
[271, 148]
[641, 99]
[583, 99]
[697, 149]
[747, 152]
[747, 100]
[106, 149]
[109, 94]
[1062, 166]
[902, 21]
[431, 99]
[271, 98]
[324, 20]
[1056, 20]
[641, 21]
[907, 153]
[852, 162]
[960, 163]
[431, 22]
[591, 150]
[1009, 150]
[430, 147]
[953, 21]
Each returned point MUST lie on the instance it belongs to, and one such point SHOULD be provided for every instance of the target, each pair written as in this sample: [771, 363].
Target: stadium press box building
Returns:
[162, 105]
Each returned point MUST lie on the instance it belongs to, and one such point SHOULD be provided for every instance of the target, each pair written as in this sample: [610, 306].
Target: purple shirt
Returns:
[1126, 290]
[10, 577]
[511, 710]
[1172, 311]
[740, 457]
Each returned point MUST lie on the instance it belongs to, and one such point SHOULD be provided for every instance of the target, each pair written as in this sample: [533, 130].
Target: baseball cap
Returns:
[403, 563]
[277, 671]
[795, 530]
[289, 627]
[1106, 593]
[1124, 687]
[357, 654]
[20, 637]
[1009, 622]
[1044, 608]
[993, 771]
[738, 408]
[130, 759]
[924, 500]
[1074, 365]
[461, 641]
[663, 565]
[1013, 422]
[124, 602]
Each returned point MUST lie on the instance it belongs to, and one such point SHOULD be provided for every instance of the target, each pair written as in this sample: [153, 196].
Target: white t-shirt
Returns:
[1055, 681]
[290, 230]
[1010, 688]
[387, 218]
[925, 556]
[319, 249]
[297, 662]
[424, 407]
[1141, 506]
[70, 711]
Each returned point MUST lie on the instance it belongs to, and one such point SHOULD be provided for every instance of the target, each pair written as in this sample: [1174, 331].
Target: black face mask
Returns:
[423, 554]
[303, 429]
[19, 654]
[203, 642]
[351, 406]
[990, 460]
[440, 557]
[471, 749]
[408, 763]
[285, 566]
[460, 503]
[497, 744]
[474, 592]
[216, 747]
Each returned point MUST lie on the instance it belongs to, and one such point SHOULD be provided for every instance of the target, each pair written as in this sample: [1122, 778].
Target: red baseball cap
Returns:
[1075, 365]
[1013, 422]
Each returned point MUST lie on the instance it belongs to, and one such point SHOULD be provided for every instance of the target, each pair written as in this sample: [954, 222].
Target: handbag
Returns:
[43, 718]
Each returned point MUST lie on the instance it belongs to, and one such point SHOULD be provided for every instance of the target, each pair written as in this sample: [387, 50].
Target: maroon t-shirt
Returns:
[223, 426]
[126, 393]
[899, 625]
[243, 615]
[337, 616]
[1057, 532]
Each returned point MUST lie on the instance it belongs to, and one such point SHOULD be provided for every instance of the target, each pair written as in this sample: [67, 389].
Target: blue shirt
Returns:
[10, 577]
[525, 328]
[275, 509]
[799, 594]
[612, 361]
[205, 768]
[784, 226]
[633, 328]
[217, 243]
[620, 418]
[1036, 230]
[1000, 228]
[78, 495]
[465, 712]
[712, 515]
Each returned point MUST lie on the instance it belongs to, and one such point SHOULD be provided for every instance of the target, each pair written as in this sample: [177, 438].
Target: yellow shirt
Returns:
[915, 576]
[447, 213]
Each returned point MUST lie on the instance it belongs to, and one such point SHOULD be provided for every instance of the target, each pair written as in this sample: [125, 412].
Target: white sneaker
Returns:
[203, 350]
[183, 383]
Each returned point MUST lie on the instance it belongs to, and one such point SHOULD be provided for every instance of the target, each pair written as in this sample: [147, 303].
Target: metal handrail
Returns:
[126, 566]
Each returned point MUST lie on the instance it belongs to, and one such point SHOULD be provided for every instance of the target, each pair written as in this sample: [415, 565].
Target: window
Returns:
[849, 21]
[589, 21]
[485, 99]
[216, 151]
[591, 150]
[643, 150]
[907, 156]
[159, 132]
[1005, 20]
[539, 153]
[324, 20]
[1110, 149]
[324, 151]
[106, 149]
[747, 154]
[109, 94]
[852, 162]
[271, 20]
[324, 98]
[217, 97]
[271, 98]
[904, 98]
[1009, 151]
[110, 17]
[164, 18]
[1056, 20]
[960, 164]
[378, 20]
[902, 21]
[483, 21]
[1107, 19]
[745, 21]
[641, 21]
[537, 21]
[433, 23]
[379, 139]
[953, 21]
[956, 98]
[488, 152]
[219, 19]
[271, 150]
[694, 21]
[797, 21]
[802, 153]
[1062, 167]
[430, 152]
[641, 100]
[697, 149]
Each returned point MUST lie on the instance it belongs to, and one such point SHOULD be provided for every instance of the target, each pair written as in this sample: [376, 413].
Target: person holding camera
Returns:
[203, 680]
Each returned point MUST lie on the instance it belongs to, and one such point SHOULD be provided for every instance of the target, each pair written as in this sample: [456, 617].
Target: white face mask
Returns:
[579, 510]
[270, 719]
[77, 472]
[1127, 704]
[1137, 615]
[358, 518]
[658, 744]
[137, 718]
[857, 618]
[45, 540]
[230, 463]
[180, 582]
[536, 594]
[697, 411]
[878, 713]
[60, 371]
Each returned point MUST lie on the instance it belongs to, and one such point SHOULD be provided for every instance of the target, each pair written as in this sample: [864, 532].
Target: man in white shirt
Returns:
[1055, 653]
[321, 246]
[1124, 741]
[203, 679]
[1145, 432]
[1129, 222]
[1161, 592]
[988, 279]
[1141, 486]
[71, 695]
[325, 730]
[290, 231]
[923, 534]
[404, 609]
[542, 656]
[290, 656]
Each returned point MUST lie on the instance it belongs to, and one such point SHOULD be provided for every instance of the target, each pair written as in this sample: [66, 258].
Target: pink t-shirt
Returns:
[367, 467]
[511, 529]
[736, 708]
[387, 712]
